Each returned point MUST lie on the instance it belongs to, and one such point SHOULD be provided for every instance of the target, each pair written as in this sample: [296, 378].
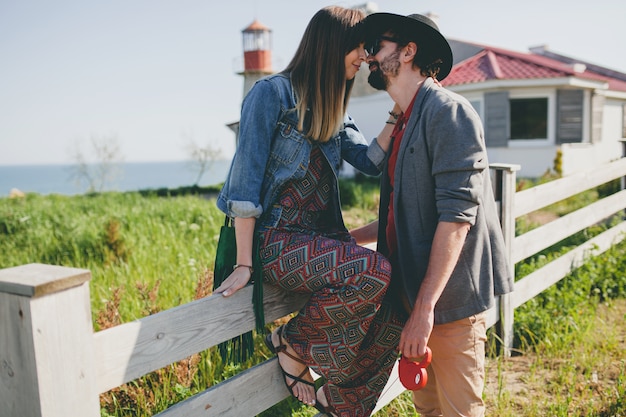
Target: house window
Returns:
[529, 118]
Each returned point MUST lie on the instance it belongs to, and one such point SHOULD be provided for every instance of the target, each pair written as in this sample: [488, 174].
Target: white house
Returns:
[534, 106]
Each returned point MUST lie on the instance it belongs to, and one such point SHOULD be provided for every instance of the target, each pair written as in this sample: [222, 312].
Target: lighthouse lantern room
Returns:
[257, 48]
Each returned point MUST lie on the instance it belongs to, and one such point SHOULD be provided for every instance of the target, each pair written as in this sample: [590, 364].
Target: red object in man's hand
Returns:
[413, 372]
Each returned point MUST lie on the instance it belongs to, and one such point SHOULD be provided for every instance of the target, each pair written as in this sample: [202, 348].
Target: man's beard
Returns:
[378, 77]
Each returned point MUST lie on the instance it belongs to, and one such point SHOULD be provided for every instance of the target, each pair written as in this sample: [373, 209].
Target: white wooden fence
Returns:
[52, 364]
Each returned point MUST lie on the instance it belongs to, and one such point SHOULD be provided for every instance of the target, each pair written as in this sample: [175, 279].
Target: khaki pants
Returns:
[456, 376]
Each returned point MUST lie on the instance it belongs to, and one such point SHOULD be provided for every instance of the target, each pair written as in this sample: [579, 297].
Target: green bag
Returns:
[240, 348]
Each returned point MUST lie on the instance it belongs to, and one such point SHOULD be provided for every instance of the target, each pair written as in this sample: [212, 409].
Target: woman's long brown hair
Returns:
[318, 71]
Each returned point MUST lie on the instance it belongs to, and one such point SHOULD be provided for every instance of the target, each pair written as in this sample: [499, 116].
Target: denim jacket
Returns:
[271, 152]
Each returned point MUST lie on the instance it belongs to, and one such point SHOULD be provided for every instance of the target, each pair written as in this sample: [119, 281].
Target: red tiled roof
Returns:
[500, 64]
[617, 85]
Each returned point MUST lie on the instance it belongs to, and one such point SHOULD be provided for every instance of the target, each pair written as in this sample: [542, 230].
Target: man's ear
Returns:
[410, 49]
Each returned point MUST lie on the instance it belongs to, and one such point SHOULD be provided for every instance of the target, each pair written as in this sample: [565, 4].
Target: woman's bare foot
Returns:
[295, 371]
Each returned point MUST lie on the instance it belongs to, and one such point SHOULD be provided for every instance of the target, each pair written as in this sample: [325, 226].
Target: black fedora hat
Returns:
[417, 28]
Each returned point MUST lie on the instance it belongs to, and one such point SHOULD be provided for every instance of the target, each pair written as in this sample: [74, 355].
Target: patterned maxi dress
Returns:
[345, 332]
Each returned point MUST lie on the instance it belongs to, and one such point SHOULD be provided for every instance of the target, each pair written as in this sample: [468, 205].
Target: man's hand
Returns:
[365, 234]
[416, 332]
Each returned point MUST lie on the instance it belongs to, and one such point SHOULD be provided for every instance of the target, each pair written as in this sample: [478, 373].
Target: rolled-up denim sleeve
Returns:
[376, 154]
[244, 209]
[241, 194]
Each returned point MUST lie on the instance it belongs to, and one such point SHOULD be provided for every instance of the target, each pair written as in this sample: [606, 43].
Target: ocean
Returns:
[131, 176]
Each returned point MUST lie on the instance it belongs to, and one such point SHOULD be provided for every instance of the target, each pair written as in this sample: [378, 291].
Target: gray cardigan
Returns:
[442, 174]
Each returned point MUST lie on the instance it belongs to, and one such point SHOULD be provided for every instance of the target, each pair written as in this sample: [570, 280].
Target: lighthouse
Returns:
[257, 58]
[257, 53]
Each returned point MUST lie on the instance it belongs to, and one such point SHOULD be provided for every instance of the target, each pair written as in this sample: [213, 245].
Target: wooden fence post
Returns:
[46, 343]
[504, 190]
[623, 180]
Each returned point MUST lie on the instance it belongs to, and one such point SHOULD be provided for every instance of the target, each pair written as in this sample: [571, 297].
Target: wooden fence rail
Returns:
[52, 363]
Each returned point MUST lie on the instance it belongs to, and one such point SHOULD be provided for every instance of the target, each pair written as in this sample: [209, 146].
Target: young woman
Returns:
[282, 189]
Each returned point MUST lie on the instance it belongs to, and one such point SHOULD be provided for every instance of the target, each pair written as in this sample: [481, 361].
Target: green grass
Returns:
[151, 251]
[129, 242]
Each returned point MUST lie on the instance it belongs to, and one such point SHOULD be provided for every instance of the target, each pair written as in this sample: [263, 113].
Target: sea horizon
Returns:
[130, 176]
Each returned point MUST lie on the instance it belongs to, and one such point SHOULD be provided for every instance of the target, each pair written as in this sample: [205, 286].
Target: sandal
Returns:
[282, 348]
[328, 410]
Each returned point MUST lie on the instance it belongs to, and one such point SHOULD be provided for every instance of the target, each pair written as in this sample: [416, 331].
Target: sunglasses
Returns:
[374, 47]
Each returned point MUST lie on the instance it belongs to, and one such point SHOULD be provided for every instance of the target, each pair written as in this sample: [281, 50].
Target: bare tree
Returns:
[202, 157]
[104, 167]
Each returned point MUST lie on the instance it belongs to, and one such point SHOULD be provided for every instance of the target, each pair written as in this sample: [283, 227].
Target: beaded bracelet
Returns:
[246, 266]
[394, 115]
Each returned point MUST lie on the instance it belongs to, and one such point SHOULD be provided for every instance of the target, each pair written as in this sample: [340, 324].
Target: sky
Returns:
[155, 75]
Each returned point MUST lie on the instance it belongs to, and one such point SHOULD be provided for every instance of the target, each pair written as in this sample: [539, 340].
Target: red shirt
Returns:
[396, 137]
